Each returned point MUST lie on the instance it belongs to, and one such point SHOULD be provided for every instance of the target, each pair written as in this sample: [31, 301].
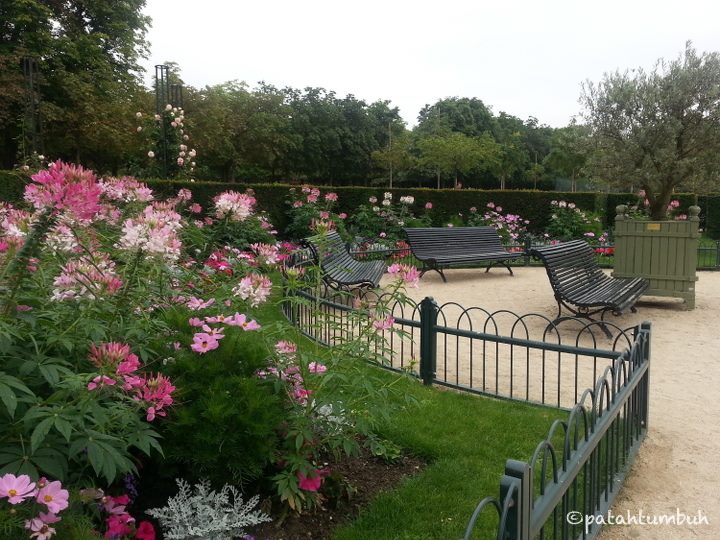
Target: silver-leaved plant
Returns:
[204, 514]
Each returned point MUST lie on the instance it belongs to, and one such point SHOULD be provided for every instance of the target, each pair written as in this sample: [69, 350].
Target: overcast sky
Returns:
[524, 57]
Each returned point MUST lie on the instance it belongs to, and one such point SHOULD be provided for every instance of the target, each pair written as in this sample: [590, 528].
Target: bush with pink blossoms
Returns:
[511, 227]
[311, 211]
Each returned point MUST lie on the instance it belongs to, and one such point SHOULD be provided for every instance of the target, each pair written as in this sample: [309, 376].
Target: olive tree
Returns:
[659, 130]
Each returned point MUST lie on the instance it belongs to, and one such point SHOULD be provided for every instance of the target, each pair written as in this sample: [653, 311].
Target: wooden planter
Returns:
[665, 252]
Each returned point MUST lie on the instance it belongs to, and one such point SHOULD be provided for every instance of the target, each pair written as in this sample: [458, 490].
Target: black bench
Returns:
[438, 248]
[582, 287]
[339, 268]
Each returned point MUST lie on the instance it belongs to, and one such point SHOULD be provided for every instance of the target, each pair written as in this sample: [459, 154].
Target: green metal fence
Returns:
[569, 364]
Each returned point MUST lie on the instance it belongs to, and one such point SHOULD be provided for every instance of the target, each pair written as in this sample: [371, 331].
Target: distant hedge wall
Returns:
[531, 205]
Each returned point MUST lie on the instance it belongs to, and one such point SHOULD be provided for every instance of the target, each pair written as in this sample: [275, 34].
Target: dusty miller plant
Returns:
[204, 514]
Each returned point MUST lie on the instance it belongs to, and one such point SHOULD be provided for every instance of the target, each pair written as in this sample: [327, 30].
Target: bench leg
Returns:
[426, 268]
[505, 264]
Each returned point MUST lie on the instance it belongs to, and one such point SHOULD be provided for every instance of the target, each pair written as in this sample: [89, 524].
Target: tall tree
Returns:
[87, 52]
[657, 129]
[569, 153]
[469, 116]
[456, 154]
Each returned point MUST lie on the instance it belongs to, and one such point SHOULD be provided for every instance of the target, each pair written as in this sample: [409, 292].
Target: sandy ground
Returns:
[676, 468]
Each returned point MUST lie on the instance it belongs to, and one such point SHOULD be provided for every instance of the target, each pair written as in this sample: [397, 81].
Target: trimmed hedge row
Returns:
[531, 205]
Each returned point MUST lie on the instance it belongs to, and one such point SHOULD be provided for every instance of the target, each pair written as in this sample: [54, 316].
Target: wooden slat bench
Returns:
[440, 247]
[582, 287]
[339, 268]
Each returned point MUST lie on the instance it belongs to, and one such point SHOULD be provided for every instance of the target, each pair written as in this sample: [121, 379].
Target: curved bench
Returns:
[440, 247]
[339, 268]
[582, 287]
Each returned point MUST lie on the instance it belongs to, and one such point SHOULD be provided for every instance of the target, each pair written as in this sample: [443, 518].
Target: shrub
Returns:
[569, 222]
[510, 227]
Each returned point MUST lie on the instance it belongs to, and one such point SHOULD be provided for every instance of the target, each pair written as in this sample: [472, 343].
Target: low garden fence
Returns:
[575, 474]
[569, 364]
[708, 253]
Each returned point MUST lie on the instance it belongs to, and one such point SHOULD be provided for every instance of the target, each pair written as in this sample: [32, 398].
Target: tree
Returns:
[456, 154]
[569, 153]
[88, 53]
[468, 116]
[657, 130]
[397, 156]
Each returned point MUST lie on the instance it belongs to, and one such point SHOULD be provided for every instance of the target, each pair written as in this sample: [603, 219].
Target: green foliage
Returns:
[659, 130]
[568, 222]
[226, 428]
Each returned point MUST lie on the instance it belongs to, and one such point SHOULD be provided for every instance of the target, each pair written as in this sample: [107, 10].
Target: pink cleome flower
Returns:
[253, 287]
[65, 187]
[234, 206]
[285, 347]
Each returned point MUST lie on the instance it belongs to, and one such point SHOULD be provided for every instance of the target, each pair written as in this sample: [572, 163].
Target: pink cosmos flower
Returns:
[53, 496]
[197, 303]
[40, 526]
[243, 322]
[195, 322]
[203, 343]
[16, 488]
[285, 347]
[100, 381]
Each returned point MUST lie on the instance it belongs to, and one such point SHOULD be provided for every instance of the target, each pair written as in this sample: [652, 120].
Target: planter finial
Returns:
[621, 212]
[694, 212]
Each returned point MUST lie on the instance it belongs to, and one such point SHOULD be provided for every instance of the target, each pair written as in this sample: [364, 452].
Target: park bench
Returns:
[339, 269]
[440, 247]
[582, 287]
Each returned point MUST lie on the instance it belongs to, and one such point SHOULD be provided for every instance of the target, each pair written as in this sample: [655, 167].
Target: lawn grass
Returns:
[466, 440]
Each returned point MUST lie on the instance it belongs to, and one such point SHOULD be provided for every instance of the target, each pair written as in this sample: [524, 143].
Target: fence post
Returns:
[518, 513]
[645, 326]
[428, 339]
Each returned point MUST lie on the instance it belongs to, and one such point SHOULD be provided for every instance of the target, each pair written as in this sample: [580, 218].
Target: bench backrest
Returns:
[453, 240]
[330, 250]
[570, 265]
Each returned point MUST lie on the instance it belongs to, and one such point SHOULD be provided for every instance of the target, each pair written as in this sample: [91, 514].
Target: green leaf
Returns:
[53, 464]
[40, 432]
[9, 398]
[64, 427]
[49, 373]
[95, 456]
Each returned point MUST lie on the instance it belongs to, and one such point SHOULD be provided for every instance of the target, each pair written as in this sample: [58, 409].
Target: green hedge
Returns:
[531, 205]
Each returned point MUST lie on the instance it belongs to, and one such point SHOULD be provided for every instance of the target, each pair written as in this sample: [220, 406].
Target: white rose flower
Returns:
[168, 107]
[138, 115]
[151, 154]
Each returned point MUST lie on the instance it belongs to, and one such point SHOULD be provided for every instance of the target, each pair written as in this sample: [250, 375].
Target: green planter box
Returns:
[665, 252]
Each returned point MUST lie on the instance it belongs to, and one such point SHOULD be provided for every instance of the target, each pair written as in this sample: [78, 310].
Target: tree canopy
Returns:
[657, 130]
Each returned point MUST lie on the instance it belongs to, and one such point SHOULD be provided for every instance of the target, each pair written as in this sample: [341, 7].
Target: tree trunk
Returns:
[438, 179]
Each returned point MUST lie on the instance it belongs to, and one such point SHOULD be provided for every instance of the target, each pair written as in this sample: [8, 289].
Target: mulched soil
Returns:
[367, 476]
